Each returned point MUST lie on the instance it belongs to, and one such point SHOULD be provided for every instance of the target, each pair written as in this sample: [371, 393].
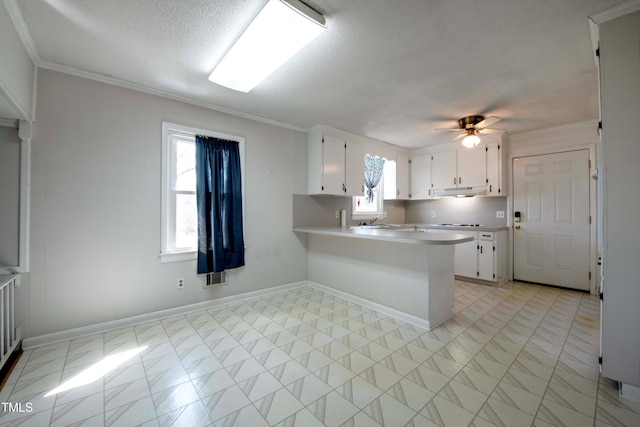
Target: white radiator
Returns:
[9, 334]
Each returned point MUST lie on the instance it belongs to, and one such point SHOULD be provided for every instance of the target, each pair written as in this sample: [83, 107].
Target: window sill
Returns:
[177, 256]
[367, 216]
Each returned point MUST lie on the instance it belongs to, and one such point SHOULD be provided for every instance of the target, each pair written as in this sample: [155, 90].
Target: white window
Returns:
[179, 237]
[363, 209]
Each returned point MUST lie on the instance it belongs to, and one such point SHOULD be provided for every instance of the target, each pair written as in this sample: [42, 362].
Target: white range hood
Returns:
[460, 192]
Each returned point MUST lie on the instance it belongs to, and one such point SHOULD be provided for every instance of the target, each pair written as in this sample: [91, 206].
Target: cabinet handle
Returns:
[363, 188]
[490, 186]
[455, 180]
[429, 192]
[460, 180]
[481, 250]
[344, 188]
[398, 192]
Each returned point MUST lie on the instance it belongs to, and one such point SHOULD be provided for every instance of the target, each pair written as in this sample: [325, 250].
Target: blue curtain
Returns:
[373, 170]
[219, 201]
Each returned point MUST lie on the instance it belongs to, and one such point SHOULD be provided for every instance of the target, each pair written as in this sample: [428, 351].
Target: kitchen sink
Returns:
[394, 227]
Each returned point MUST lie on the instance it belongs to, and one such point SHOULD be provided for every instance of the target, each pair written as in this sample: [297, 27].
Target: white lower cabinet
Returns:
[484, 258]
[487, 259]
[466, 256]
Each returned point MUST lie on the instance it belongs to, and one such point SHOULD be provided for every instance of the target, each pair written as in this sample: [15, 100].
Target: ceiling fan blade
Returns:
[488, 122]
[492, 131]
[462, 135]
[451, 129]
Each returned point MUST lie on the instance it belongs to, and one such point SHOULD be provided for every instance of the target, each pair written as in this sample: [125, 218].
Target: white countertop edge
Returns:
[411, 237]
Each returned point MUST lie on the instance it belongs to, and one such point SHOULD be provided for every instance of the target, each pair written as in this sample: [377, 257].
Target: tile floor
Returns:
[515, 355]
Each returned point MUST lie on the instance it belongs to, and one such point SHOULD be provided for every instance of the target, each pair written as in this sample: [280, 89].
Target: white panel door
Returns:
[551, 243]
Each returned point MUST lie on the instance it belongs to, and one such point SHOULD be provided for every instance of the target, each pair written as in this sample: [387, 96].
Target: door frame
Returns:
[580, 136]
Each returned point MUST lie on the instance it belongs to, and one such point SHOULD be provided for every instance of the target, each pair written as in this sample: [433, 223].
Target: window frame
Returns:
[168, 251]
[379, 194]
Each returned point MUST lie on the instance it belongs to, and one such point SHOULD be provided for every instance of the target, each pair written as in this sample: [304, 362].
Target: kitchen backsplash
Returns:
[465, 210]
[320, 211]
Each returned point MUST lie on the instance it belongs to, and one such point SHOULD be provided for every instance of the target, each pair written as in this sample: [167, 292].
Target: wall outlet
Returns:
[180, 283]
[433, 214]
[337, 214]
[499, 214]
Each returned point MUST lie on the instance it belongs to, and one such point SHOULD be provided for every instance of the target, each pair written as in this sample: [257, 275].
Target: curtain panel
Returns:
[219, 203]
[373, 170]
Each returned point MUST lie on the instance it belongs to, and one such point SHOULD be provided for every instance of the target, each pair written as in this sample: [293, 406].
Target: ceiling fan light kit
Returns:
[471, 140]
[471, 126]
[281, 29]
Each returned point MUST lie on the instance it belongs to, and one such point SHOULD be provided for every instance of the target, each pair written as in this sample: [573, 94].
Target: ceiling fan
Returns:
[471, 126]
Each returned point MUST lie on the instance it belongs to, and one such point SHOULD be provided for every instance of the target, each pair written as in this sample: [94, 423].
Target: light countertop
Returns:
[389, 234]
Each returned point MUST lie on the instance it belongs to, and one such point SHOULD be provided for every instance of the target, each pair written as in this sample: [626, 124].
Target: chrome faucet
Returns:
[374, 219]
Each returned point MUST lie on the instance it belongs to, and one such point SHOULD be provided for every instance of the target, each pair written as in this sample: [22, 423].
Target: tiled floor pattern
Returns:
[515, 355]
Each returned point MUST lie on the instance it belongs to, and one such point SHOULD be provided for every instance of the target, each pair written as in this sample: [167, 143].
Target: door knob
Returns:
[517, 226]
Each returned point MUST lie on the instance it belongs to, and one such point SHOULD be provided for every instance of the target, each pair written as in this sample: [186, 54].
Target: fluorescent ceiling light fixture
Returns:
[281, 29]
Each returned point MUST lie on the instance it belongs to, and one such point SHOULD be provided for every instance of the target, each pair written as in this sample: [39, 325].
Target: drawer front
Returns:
[486, 235]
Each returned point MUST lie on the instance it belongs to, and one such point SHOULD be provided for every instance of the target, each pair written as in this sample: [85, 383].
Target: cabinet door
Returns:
[472, 167]
[402, 176]
[420, 174]
[443, 170]
[486, 264]
[494, 176]
[466, 259]
[354, 169]
[333, 165]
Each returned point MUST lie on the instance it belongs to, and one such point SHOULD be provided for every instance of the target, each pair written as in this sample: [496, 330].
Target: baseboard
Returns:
[629, 392]
[391, 312]
[69, 334]
[9, 364]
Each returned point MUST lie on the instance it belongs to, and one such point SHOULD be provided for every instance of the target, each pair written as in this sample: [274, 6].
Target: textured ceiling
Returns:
[7, 111]
[390, 70]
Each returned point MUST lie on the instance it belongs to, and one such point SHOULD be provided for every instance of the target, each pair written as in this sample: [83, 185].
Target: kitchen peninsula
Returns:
[401, 268]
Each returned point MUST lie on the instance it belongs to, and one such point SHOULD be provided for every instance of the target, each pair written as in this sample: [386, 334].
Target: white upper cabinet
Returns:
[336, 163]
[336, 166]
[396, 177]
[402, 176]
[444, 170]
[333, 165]
[464, 167]
[420, 177]
[495, 180]
[472, 166]
[354, 168]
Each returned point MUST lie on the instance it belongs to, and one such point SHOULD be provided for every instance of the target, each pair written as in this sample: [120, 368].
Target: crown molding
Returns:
[615, 11]
[25, 36]
[23, 31]
[164, 94]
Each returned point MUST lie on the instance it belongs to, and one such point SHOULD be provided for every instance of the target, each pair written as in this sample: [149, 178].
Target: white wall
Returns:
[620, 99]
[95, 205]
[16, 69]
[9, 196]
